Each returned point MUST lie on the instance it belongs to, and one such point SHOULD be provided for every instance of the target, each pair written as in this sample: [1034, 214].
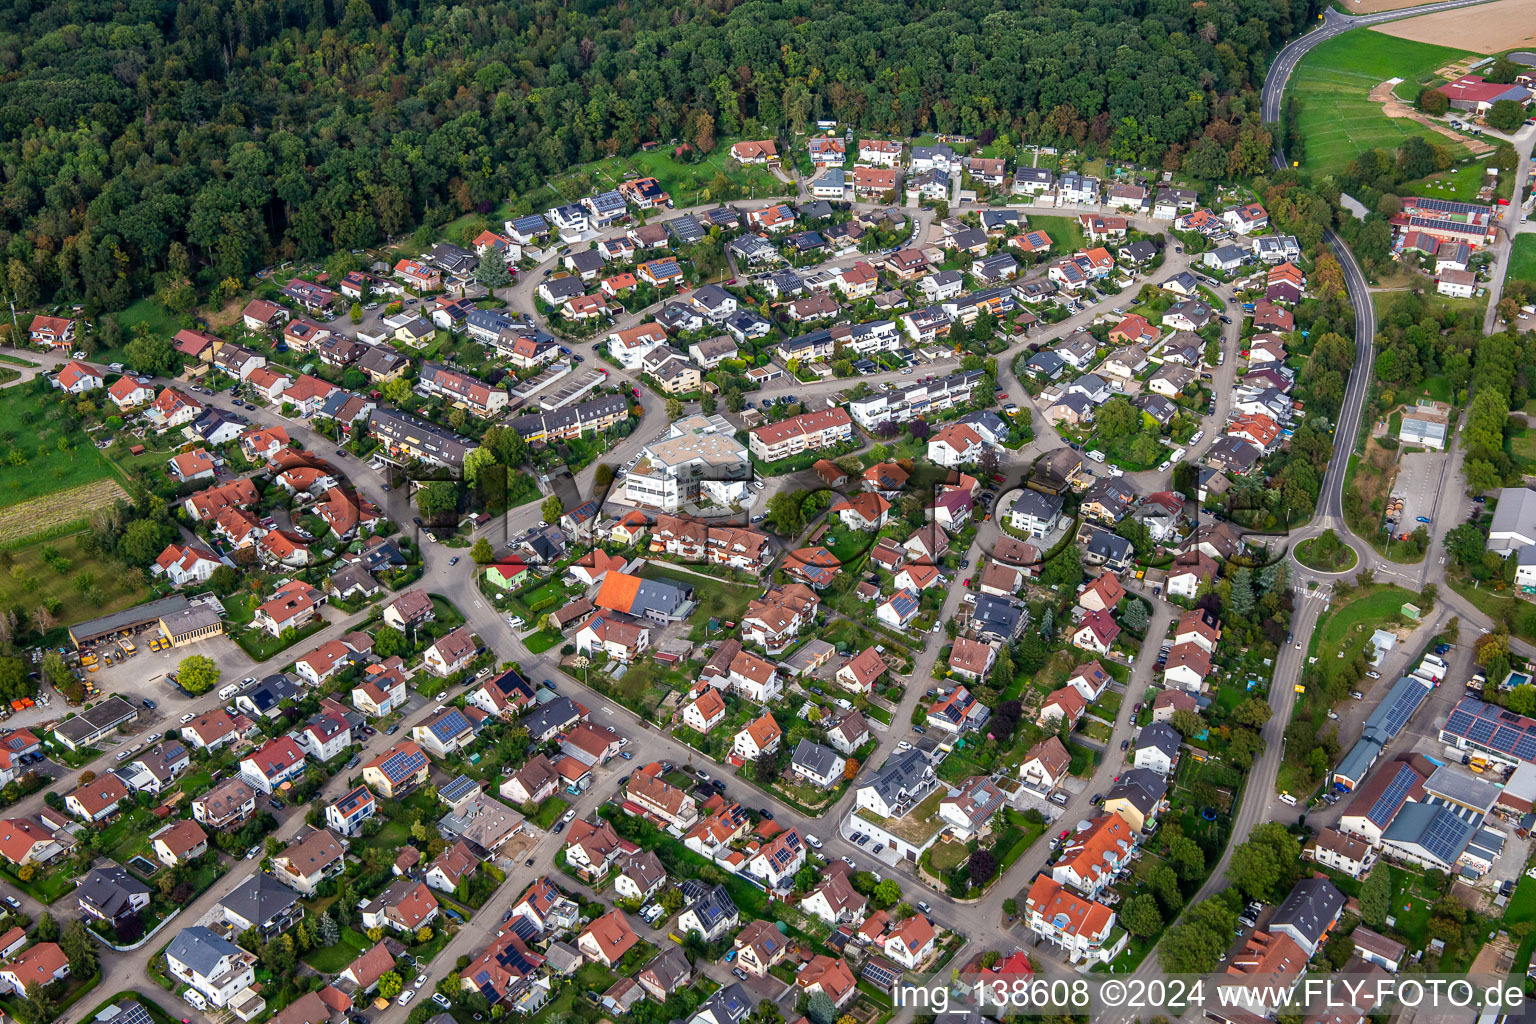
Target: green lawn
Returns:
[150, 312]
[716, 599]
[1066, 233]
[1461, 182]
[1522, 907]
[549, 811]
[1349, 627]
[1331, 88]
[947, 856]
[543, 640]
[333, 959]
[1370, 607]
[1522, 258]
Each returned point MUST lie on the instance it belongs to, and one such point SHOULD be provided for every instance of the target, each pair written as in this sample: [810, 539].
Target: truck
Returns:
[127, 645]
[1478, 764]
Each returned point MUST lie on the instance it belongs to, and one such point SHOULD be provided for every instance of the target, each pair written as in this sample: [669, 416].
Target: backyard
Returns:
[716, 599]
[1331, 89]
[1066, 233]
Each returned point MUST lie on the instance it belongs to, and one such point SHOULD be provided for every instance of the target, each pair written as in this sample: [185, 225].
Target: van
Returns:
[812, 841]
[1286, 798]
[229, 691]
[1096, 456]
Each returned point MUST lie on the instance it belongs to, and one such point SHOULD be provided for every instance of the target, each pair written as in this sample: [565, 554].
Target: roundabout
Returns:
[1326, 553]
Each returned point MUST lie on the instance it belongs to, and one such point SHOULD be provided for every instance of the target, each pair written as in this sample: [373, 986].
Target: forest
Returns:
[156, 145]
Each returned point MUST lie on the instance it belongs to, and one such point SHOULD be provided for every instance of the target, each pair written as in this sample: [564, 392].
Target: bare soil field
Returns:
[1488, 28]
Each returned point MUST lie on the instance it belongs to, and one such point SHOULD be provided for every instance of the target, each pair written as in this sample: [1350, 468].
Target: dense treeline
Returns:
[148, 143]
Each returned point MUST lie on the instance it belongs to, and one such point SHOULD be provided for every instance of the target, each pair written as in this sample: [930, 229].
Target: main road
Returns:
[1260, 802]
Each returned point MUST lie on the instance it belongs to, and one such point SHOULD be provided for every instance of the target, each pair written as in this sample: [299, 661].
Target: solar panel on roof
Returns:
[1480, 731]
[1504, 739]
[1393, 796]
[1446, 837]
[1458, 721]
[401, 763]
[1525, 749]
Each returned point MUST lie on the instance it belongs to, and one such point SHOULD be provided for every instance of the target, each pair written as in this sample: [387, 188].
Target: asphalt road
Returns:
[983, 924]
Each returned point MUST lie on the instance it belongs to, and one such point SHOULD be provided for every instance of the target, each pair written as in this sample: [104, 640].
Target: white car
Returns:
[1164, 466]
[421, 979]
[1199, 436]
[406, 997]
[187, 717]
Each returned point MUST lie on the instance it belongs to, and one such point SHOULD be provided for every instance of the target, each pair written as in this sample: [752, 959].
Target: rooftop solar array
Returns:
[450, 725]
[879, 973]
[1393, 796]
[1447, 836]
[1407, 695]
[1493, 728]
[1448, 206]
[402, 763]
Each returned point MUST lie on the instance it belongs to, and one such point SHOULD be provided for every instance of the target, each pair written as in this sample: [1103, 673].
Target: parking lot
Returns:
[1419, 476]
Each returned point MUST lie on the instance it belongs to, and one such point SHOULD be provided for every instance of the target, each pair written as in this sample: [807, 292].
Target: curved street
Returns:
[984, 924]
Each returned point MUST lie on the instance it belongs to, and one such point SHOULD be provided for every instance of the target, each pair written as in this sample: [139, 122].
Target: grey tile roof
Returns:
[1310, 908]
[259, 899]
[814, 758]
[200, 949]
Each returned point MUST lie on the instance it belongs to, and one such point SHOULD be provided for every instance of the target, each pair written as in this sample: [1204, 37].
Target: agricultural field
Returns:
[1496, 27]
[1332, 85]
[53, 569]
[50, 472]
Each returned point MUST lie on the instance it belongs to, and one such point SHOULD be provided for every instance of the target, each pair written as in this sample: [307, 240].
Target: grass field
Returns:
[146, 311]
[1348, 627]
[1332, 88]
[44, 451]
[689, 184]
[1066, 233]
[1522, 259]
[50, 473]
[1460, 182]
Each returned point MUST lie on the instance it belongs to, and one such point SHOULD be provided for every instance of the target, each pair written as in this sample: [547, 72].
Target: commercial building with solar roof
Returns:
[1406, 697]
[1376, 804]
[1479, 728]
[1429, 835]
